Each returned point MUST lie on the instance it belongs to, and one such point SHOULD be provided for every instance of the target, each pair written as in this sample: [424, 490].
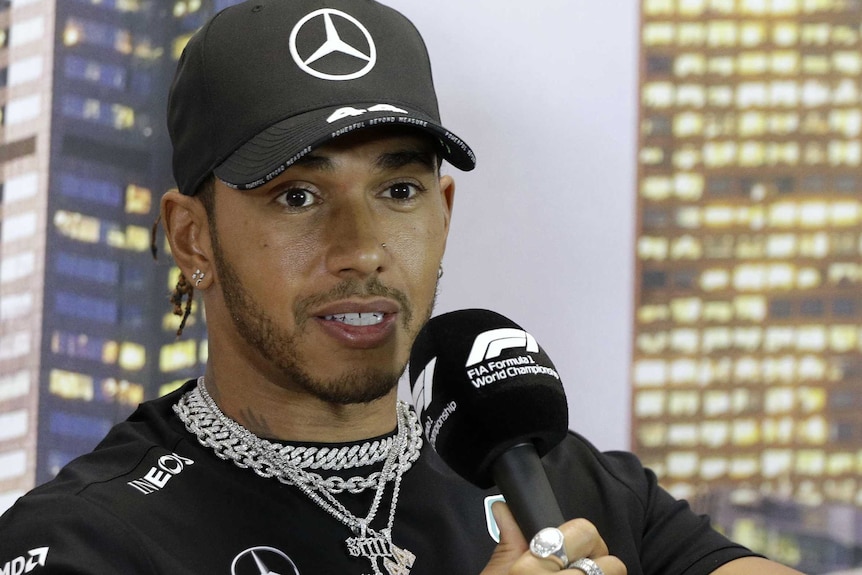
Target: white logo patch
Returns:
[334, 44]
[491, 344]
[263, 561]
[423, 388]
[26, 563]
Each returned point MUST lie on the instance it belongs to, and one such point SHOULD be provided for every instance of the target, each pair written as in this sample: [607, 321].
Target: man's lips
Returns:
[356, 324]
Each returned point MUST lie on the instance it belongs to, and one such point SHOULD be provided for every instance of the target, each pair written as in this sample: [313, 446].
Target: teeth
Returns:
[357, 319]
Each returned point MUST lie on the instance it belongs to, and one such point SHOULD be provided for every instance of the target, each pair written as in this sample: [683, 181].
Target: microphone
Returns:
[491, 404]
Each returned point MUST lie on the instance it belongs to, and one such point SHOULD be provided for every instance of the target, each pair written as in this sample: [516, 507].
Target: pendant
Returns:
[379, 549]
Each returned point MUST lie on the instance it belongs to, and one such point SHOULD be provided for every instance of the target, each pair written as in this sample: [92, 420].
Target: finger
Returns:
[583, 539]
[512, 543]
[608, 564]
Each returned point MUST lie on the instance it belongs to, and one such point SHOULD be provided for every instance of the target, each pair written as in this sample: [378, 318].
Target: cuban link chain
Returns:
[289, 464]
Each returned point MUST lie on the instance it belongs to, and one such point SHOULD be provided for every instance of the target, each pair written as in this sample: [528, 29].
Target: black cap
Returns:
[266, 81]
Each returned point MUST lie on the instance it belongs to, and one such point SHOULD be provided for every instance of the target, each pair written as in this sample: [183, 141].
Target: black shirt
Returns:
[151, 499]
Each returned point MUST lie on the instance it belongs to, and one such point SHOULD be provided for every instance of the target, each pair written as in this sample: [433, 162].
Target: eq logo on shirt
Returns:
[166, 467]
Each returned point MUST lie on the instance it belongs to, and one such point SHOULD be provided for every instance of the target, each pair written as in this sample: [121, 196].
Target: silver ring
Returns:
[587, 565]
[549, 543]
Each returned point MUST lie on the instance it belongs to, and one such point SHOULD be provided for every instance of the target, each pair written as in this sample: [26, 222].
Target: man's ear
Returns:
[187, 229]
[447, 192]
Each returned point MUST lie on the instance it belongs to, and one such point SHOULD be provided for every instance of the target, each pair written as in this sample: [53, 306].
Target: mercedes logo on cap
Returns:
[346, 43]
[263, 561]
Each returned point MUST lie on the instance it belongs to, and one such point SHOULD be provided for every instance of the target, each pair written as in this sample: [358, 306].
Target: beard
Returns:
[279, 347]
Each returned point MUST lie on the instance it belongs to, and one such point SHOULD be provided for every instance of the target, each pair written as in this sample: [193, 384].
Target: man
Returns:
[312, 215]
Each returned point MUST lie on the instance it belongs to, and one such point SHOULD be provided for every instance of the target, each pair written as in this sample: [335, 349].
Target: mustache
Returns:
[372, 287]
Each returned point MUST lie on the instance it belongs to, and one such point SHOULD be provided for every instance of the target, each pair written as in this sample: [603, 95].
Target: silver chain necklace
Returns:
[289, 465]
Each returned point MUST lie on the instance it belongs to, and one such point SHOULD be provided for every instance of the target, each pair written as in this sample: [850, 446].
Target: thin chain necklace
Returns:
[231, 441]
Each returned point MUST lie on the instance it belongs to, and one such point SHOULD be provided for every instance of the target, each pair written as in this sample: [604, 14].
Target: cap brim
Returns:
[276, 148]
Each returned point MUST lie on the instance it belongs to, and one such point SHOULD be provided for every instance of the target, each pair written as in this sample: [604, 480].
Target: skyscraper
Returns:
[747, 361]
[86, 331]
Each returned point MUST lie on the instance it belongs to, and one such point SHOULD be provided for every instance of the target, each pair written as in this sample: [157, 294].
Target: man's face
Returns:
[316, 302]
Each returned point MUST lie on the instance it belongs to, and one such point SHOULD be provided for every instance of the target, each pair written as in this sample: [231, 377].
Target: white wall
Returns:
[545, 93]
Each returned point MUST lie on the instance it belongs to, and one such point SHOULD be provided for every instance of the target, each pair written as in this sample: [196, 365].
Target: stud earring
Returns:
[198, 277]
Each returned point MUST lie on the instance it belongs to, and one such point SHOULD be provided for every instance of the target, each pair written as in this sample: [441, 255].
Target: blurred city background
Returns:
[744, 365]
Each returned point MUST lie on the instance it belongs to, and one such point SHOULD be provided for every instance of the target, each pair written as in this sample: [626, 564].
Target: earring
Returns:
[198, 277]
[440, 272]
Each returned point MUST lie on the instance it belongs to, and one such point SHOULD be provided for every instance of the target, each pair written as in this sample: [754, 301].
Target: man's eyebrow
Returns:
[314, 162]
[402, 158]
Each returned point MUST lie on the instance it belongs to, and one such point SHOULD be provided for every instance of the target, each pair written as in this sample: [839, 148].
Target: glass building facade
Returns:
[747, 352]
[86, 330]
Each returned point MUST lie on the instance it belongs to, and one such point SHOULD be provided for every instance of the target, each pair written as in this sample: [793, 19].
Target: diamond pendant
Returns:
[378, 549]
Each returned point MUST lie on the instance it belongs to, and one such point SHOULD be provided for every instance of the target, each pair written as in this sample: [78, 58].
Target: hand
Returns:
[512, 556]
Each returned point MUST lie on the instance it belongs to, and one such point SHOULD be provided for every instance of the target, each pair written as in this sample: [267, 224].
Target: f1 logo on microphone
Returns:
[491, 344]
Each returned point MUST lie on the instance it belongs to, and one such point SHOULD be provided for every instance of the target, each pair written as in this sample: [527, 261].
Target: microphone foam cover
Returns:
[480, 385]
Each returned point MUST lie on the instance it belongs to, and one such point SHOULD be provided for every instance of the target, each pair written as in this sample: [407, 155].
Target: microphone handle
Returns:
[522, 480]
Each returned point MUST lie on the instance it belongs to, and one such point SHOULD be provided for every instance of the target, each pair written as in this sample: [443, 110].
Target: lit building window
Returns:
[784, 63]
[656, 188]
[70, 385]
[814, 245]
[840, 464]
[687, 124]
[721, 66]
[721, 33]
[77, 226]
[658, 95]
[718, 311]
[843, 338]
[138, 199]
[687, 158]
[815, 93]
[714, 279]
[811, 368]
[812, 399]
[653, 313]
[178, 355]
[658, 34]
[650, 373]
[691, 7]
[652, 156]
[652, 248]
[682, 434]
[844, 152]
[650, 403]
[686, 247]
[745, 432]
[132, 356]
[777, 462]
[682, 464]
[752, 124]
[689, 65]
[847, 63]
[785, 33]
[652, 434]
[652, 343]
[122, 391]
[690, 95]
[719, 154]
[691, 34]
[747, 338]
[810, 462]
[752, 94]
[719, 97]
[778, 339]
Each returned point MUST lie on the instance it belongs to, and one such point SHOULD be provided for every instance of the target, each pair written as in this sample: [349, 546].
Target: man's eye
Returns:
[401, 191]
[297, 198]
